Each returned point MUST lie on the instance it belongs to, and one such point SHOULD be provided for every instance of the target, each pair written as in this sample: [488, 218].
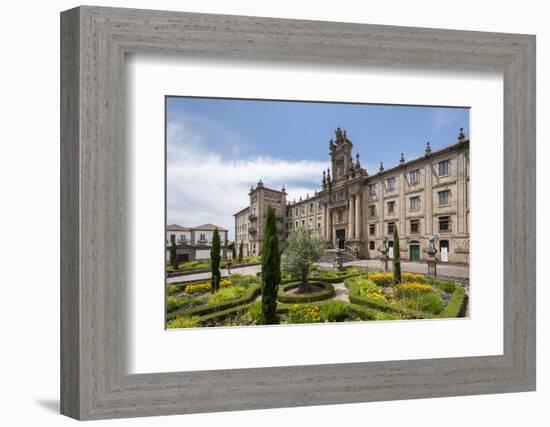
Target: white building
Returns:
[194, 243]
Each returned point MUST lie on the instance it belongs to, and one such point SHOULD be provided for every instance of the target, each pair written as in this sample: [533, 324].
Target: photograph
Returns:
[286, 212]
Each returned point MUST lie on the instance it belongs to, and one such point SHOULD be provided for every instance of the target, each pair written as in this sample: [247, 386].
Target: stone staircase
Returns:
[329, 255]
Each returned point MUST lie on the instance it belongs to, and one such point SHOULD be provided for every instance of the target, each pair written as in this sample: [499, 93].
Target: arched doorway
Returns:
[341, 238]
[444, 250]
[414, 251]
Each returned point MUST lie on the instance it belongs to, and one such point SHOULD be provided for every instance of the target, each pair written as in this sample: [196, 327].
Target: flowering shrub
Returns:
[198, 288]
[376, 296]
[227, 294]
[255, 313]
[240, 280]
[173, 289]
[381, 279]
[431, 302]
[183, 322]
[412, 289]
[364, 285]
[334, 311]
[173, 303]
[225, 283]
[192, 265]
[411, 277]
[298, 313]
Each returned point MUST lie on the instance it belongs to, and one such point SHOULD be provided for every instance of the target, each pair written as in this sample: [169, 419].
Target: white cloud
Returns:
[204, 186]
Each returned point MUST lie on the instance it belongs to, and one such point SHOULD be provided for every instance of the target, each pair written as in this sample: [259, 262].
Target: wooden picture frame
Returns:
[94, 41]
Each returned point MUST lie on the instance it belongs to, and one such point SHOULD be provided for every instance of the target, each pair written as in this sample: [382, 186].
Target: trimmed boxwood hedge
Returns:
[355, 298]
[251, 294]
[219, 315]
[335, 279]
[326, 293]
[456, 307]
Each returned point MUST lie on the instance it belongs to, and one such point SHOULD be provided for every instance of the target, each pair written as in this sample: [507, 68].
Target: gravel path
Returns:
[341, 291]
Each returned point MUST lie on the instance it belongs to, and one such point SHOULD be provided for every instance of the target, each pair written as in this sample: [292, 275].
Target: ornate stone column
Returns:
[351, 220]
[330, 237]
[358, 216]
[326, 233]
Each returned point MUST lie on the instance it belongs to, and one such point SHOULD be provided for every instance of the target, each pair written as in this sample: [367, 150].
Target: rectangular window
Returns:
[172, 238]
[311, 208]
[296, 224]
[391, 207]
[415, 203]
[371, 245]
[390, 184]
[415, 226]
[413, 177]
[202, 237]
[372, 189]
[318, 225]
[444, 223]
[444, 197]
[372, 210]
[390, 227]
[372, 229]
[444, 168]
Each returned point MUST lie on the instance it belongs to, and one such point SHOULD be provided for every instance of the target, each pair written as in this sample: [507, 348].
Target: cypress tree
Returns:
[233, 252]
[396, 257]
[241, 252]
[271, 270]
[173, 255]
[215, 261]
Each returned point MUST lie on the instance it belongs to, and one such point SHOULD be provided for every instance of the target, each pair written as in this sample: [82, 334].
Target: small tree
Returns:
[271, 270]
[241, 252]
[173, 255]
[396, 257]
[302, 250]
[233, 252]
[215, 261]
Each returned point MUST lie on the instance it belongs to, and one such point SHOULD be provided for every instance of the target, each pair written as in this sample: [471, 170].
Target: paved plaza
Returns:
[444, 270]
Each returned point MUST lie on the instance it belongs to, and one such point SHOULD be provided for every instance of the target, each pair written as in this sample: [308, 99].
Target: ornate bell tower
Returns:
[340, 155]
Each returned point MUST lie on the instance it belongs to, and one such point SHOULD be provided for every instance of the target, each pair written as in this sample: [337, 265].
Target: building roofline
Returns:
[177, 227]
[444, 150]
[241, 211]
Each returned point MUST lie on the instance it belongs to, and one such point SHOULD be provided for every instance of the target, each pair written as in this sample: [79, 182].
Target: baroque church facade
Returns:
[423, 197]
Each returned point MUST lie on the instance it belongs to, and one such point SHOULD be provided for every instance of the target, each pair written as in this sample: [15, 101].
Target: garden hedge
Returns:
[335, 279]
[456, 307]
[251, 294]
[355, 298]
[326, 293]
[219, 315]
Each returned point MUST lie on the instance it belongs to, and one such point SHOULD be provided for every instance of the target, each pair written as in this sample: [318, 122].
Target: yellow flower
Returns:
[198, 288]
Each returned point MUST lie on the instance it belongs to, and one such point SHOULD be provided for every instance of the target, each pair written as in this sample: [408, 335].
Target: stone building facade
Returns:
[250, 221]
[423, 197]
[194, 243]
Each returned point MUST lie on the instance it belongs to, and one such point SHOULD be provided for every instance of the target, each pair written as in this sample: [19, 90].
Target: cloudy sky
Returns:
[218, 148]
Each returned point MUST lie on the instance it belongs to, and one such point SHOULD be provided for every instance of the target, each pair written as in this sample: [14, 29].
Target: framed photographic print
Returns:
[306, 213]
